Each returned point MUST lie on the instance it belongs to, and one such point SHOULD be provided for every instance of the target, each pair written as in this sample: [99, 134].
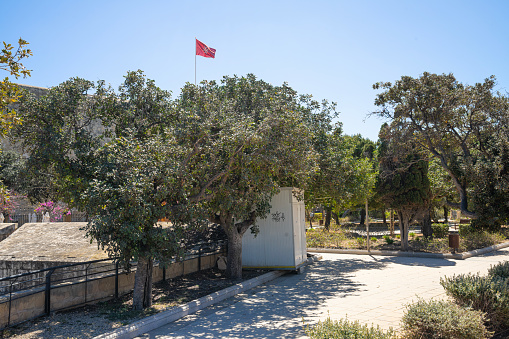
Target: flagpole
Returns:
[195, 61]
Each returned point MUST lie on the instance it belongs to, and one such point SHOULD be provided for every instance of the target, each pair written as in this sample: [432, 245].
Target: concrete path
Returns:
[372, 289]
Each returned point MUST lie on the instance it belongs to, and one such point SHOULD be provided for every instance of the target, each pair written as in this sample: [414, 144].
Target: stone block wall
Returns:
[30, 304]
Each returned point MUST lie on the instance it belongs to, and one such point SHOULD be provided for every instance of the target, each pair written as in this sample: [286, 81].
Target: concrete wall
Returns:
[6, 229]
[30, 304]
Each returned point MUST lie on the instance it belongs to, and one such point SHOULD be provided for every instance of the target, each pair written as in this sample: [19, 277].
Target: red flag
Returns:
[204, 50]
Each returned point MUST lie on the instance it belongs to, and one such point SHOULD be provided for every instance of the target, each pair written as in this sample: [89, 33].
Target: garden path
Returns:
[371, 289]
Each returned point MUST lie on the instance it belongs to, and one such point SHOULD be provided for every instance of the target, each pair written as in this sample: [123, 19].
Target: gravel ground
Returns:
[93, 320]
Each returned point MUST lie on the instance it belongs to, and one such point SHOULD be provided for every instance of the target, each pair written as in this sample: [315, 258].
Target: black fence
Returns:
[24, 285]
[23, 217]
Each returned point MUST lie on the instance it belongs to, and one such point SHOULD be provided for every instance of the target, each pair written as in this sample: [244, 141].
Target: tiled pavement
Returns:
[372, 289]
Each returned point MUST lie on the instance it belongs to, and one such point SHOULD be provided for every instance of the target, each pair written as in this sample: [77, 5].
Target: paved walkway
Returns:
[372, 289]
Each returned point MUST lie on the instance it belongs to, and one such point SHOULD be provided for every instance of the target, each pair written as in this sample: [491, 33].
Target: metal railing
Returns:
[24, 285]
[23, 217]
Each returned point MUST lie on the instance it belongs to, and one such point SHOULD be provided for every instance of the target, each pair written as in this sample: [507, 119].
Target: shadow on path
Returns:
[274, 310]
[418, 261]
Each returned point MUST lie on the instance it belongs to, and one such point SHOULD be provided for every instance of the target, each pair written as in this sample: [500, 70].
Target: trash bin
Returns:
[454, 240]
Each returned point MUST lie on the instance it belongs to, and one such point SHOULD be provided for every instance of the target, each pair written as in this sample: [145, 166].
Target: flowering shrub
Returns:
[7, 202]
[56, 211]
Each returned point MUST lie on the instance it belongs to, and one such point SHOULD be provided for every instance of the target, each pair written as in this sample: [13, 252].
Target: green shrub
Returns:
[466, 230]
[481, 239]
[345, 329]
[440, 230]
[360, 241]
[442, 319]
[500, 270]
[374, 239]
[398, 236]
[489, 294]
[388, 239]
[411, 235]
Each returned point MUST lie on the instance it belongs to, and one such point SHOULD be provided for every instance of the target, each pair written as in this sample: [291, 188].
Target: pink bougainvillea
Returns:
[8, 202]
[56, 211]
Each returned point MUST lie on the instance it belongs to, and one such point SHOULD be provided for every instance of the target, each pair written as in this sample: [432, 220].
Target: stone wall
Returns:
[26, 305]
[6, 229]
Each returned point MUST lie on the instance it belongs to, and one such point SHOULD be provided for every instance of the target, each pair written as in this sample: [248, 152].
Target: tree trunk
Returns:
[363, 216]
[328, 210]
[403, 230]
[234, 267]
[426, 229]
[142, 295]
[384, 218]
[392, 222]
[336, 218]
[446, 214]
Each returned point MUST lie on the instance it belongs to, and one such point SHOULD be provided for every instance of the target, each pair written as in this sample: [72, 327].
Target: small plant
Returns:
[440, 230]
[388, 239]
[442, 319]
[360, 241]
[488, 294]
[398, 236]
[411, 235]
[500, 270]
[345, 329]
[374, 239]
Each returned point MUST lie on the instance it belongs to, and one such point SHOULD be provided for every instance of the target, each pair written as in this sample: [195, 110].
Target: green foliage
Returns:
[481, 239]
[360, 241]
[411, 235]
[10, 58]
[388, 239]
[131, 191]
[10, 93]
[499, 270]
[464, 127]
[466, 230]
[442, 319]
[403, 183]
[440, 230]
[345, 329]
[489, 294]
[374, 239]
[252, 138]
[342, 179]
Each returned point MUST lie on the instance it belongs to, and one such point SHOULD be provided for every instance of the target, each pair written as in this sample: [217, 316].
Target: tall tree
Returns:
[403, 185]
[455, 123]
[255, 135]
[345, 177]
[126, 178]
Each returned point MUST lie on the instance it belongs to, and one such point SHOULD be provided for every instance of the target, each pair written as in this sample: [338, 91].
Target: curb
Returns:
[165, 317]
[458, 256]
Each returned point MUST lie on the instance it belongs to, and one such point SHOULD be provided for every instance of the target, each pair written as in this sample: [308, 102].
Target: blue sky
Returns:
[334, 50]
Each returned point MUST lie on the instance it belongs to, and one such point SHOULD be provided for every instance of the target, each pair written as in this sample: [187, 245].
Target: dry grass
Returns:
[339, 237]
